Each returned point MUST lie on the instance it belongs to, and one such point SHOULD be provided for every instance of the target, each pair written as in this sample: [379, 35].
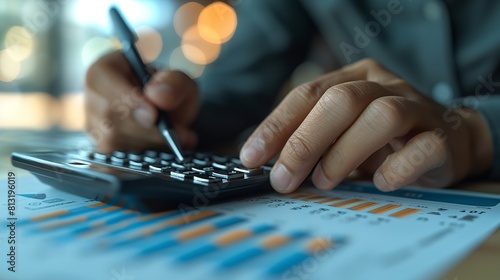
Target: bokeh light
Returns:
[186, 16]
[149, 44]
[9, 68]
[196, 49]
[19, 43]
[217, 22]
[26, 111]
[72, 112]
[179, 62]
[95, 48]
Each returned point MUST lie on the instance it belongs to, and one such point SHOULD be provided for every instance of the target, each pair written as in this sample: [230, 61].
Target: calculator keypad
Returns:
[198, 168]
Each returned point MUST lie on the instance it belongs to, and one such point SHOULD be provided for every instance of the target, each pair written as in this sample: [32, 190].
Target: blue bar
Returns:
[241, 257]
[109, 222]
[139, 224]
[286, 263]
[251, 253]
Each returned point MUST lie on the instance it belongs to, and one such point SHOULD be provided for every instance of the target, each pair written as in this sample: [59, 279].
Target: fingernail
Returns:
[144, 117]
[253, 152]
[320, 180]
[380, 182]
[281, 179]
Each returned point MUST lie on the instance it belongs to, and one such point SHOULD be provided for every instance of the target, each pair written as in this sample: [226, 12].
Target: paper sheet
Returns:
[352, 232]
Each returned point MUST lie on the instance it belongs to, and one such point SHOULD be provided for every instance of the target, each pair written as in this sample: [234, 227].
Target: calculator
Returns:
[150, 175]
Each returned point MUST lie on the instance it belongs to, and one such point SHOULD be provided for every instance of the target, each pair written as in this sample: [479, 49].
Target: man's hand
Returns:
[121, 115]
[363, 117]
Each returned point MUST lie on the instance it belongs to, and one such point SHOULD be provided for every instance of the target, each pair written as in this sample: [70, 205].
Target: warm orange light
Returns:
[72, 112]
[149, 43]
[217, 22]
[26, 110]
[179, 62]
[196, 49]
[186, 16]
[9, 68]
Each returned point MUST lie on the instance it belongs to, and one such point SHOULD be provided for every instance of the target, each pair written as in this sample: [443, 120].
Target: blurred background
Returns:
[46, 47]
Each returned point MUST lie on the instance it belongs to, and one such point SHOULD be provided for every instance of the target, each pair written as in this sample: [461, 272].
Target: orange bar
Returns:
[50, 215]
[384, 208]
[99, 204]
[345, 203]
[319, 244]
[110, 209]
[155, 215]
[63, 223]
[233, 237]
[179, 221]
[274, 241]
[195, 232]
[363, 206]
[328, 200]
[404, 212]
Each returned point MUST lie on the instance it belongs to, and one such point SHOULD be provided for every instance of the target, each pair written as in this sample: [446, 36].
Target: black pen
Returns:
[127, 39]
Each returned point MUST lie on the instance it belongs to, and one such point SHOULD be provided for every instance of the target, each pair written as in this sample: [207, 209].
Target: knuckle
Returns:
[343, 97]
[387, 111]
[272, 129]
[309, 92]
[369, 62]
[299, 149]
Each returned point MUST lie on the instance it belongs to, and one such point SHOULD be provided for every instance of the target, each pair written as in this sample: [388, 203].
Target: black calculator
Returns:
[150, 175]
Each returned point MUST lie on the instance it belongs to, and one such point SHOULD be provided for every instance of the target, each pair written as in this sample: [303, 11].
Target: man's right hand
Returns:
[120, 115]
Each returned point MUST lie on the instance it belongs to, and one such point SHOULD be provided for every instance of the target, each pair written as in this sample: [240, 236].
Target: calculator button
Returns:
[224, 166]
[165, 162]
[119, 154]
[100, 156]
[202, 169]
[179, 165]
[151, 153]
[227, 174]
[135, 156]
[201, 161]
[155, 167]
[206, 179]
[188, 174]
[118, 161]
[249, 171]
[137, 164]
[87, 154]
[150, 159]
[167, 156]
[220, 159]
